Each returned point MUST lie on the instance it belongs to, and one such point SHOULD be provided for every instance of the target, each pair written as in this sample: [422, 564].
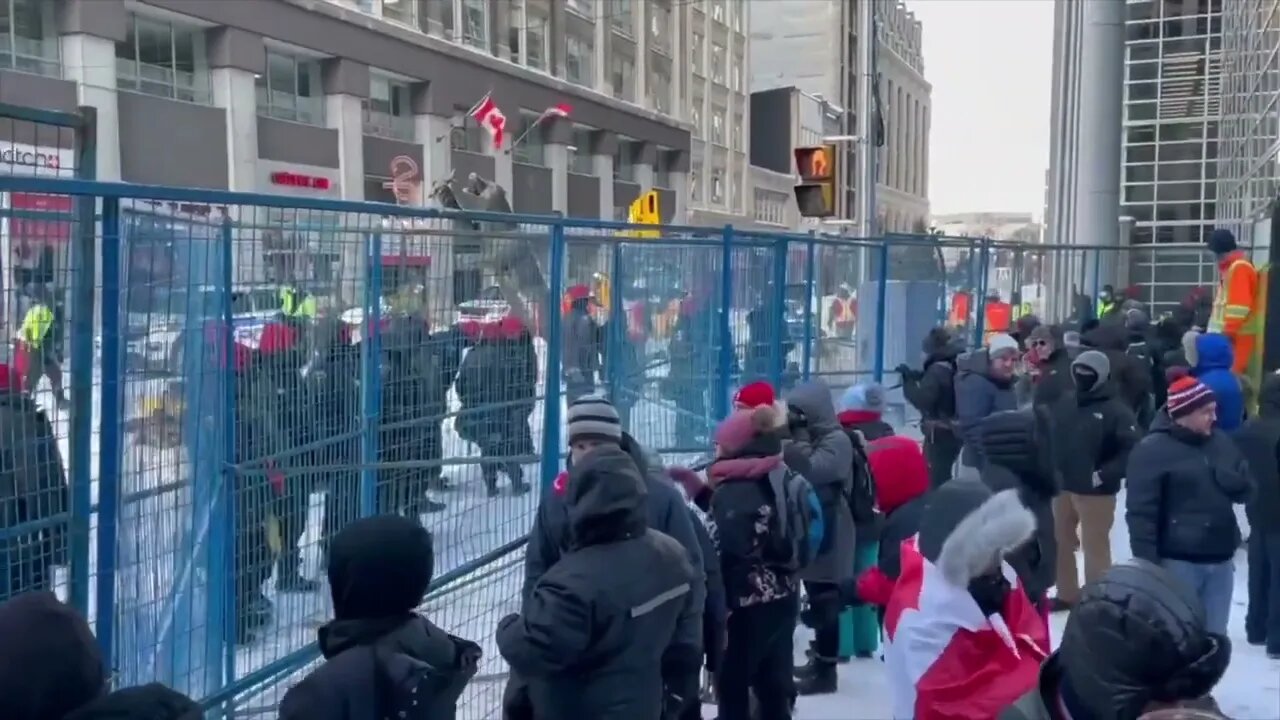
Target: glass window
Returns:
[289, 89]
[468, 136]
[620, 16]
[717, 125]
[581, 160]
[660, 89]
[28, 41]
[623, 75]
[695, 182]
[695, 117]
[532, 149]
[387, 112]
[579, 60]
[717, 62]
[695, 49]
[735, 75]
[717, 185]
[537, 37]
[160, 58]
[403, 11]
[717, 10]
[582, 7]
[624, 162]
[660, 28]
[738, 9]
[736, 138]
[662, 169]
[475, 23]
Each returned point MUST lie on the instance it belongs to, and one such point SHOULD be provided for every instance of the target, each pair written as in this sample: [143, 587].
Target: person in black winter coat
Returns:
[761, 585]
[1132, 378]
[1054, 363]
[1183, 479]
[582, 346]
[1136, 642]
[715, 613]
[33, 488]
[382, 659]
[1098, 430]
[413, 406]
[496, 386]
[931, 391]
[1259, 441]
[597, 638]
[1019, 451]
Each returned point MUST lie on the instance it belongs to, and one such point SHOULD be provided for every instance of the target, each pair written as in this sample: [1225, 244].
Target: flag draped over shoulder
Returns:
[945, 660]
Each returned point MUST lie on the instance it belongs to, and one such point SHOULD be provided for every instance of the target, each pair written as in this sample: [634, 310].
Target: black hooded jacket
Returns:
[614, 621]
[1181, 490]
[50, 664]
[932, 390]
[1019, 456]
[1137, 635]
[1098, 431]
[1131, 376]
[380, 657]
[148, 702]
[1259, 441]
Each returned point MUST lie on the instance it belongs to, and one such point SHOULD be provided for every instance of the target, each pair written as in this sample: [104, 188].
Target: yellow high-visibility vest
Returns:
[292, 307]
[36, 325]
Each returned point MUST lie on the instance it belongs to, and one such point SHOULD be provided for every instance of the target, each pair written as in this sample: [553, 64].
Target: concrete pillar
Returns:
[503, 166]
[558, 133]
[603, 145]
[235, 57]
[646, 156]
[90, 62]
[679, 162]
[1100, 131]
[346, 84]
[432, 130]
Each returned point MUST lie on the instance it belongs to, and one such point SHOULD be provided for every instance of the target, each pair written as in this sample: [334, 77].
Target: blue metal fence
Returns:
[226, 436]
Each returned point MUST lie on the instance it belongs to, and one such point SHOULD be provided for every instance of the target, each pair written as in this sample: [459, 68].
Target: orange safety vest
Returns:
[843, 310]
[1234, 312]
[997, 317]
[959, 315]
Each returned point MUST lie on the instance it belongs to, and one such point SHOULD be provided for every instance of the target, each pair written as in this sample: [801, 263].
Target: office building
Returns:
[812, 45]
[1248, 177]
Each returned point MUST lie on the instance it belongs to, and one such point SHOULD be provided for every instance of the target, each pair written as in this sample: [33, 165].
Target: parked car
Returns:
[155, 341]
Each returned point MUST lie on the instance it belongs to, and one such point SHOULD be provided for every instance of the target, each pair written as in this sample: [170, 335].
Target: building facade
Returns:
[812, 45]
[330, 98]
[1172, 121]
[1248, 175]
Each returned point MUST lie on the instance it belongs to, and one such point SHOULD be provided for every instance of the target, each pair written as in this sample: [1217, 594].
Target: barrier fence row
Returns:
[248, 373]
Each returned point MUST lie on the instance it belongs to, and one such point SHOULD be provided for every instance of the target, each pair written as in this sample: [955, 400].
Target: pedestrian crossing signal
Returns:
[644, 211]
[816, 191]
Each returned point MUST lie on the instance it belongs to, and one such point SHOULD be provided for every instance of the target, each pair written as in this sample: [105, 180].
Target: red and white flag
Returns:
[557, 110]
[945, 659]
[487, 114]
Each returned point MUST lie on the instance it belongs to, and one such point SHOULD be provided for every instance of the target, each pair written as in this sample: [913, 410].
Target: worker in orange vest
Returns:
[1234, 313]
[997, 316]
[958, 317]
[843, 314]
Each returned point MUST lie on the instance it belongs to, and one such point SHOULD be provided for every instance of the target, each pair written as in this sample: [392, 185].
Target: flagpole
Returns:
[527, 130]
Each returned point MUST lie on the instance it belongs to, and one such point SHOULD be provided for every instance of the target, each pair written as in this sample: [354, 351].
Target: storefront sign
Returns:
[298, 180]
[23, 159]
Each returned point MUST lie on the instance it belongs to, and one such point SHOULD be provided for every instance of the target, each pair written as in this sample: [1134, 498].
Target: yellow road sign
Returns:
[644, 211]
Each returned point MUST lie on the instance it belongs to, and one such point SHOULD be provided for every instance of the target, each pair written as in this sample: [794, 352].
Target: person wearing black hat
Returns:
[1136, 642]
[1235, 312]
[382, 659]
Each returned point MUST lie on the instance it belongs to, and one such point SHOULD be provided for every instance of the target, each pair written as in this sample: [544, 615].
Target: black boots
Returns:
[818, 678]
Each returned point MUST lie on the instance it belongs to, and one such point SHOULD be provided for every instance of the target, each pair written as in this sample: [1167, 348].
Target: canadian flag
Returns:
[487, 114]
[558, 110]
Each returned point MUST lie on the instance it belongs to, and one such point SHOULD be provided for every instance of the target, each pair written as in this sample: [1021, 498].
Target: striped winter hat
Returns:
[1186, 395]
[593, 418]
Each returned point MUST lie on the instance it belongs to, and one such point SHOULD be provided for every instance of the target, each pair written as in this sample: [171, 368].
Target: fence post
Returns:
[82, 321]
[1097, 272]
[720, 385]
[777, 356]
[806, 353]
[371, 378]
[882, 296]
[980, 299]
[617, 334]
[551, 387]
[110, 438]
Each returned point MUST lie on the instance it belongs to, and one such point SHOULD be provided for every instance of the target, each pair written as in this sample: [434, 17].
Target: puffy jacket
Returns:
[1019, 456]
[597, 638]
[1131, 376]
[825, 453]
[1055, 378]
[33, 487]
[979, 394]
[1181, 490]
[932, 390]
[1137, 635]
[666, 512]
[1214, 357]
[1098, 432]
[1259, 441]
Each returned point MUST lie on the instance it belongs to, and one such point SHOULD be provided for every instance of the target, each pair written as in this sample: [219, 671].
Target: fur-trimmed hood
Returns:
[966, 529]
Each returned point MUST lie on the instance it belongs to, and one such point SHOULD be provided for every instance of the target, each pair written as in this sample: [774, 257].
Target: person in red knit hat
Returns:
[754, 395]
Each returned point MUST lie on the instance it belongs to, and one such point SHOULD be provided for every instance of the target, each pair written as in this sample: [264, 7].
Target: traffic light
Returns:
[816, 191]
[644, 211]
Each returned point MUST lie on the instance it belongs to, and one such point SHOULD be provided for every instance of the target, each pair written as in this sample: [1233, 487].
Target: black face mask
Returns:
[1085, 379]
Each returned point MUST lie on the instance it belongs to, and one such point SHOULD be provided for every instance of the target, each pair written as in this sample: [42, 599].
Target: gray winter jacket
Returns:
[978, 395]
[823, 452]
[611, 631]
[665, 507]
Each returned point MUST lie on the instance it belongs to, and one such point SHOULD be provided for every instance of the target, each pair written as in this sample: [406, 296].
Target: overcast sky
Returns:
[990, 63]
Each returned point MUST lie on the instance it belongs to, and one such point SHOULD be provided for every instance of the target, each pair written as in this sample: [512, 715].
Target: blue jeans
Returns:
[1262, 622]
[1212, 583]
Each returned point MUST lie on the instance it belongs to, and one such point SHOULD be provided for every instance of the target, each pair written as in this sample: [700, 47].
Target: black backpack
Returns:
[862, 495]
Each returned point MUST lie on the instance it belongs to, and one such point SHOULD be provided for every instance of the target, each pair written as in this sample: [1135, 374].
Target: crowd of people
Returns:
[651, 590]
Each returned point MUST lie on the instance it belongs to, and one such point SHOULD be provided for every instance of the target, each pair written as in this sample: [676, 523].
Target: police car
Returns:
[156, 341]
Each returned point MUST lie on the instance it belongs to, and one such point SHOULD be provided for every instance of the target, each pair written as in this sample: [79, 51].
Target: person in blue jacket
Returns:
[1214, 357]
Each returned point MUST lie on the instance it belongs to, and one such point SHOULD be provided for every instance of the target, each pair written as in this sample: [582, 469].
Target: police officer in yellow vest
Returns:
[297, 304]
[36, 354]
[1106, 301]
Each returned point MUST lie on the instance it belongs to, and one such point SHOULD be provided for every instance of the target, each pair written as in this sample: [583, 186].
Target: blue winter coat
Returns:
[1213, 368]
[978, 395]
